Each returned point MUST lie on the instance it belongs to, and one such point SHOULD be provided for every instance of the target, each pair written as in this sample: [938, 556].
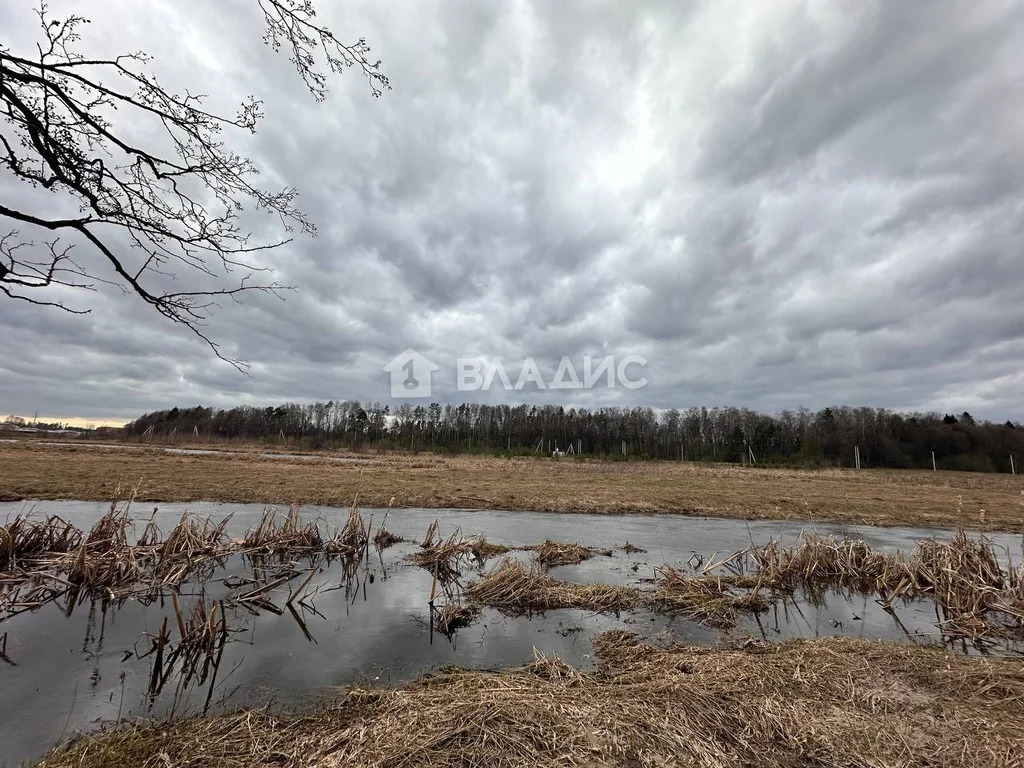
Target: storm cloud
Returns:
[776, 204]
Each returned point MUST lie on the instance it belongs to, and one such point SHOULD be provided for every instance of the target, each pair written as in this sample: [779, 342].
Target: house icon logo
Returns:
[410, 374]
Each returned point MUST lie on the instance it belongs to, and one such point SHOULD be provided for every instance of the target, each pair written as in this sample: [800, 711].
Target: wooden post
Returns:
[1013, 469]
[856, 456]
[623, 447]
[934, 469]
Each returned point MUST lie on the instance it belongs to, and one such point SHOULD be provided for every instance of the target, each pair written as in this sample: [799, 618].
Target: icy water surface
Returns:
[64, 673]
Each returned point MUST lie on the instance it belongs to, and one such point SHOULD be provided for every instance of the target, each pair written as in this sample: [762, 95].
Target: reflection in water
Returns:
[275, 631]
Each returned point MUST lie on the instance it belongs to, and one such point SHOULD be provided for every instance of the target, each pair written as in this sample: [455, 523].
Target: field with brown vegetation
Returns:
[833, 702]
[879, 497]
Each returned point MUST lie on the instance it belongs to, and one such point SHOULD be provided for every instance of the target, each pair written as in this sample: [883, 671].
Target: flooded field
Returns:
[276, 629]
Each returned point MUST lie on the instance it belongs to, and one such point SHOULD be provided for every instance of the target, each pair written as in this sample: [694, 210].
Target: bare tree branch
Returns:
[292, 23]
[152, 214]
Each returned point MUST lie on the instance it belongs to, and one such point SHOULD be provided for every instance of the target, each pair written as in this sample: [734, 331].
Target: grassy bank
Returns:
[878, 497]
[833, 702]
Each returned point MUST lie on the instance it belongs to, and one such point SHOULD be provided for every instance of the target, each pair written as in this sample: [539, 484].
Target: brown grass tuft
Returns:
[445, 557]
[554, 553]
[705, 599]
[515, 588]
[451, 617]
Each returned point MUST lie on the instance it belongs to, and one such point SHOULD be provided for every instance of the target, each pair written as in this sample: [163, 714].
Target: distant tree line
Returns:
[14, 421]
[828, 437]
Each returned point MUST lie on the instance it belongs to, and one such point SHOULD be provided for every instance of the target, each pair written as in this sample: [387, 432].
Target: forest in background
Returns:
[830, 437]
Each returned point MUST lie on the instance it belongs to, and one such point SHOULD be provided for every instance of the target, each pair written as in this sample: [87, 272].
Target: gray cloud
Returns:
[776, 204]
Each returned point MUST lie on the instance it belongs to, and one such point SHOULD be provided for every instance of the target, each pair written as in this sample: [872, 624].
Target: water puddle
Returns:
[277, 633]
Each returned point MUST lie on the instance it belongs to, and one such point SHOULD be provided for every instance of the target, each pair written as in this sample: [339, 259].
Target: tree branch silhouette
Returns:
[158, 211]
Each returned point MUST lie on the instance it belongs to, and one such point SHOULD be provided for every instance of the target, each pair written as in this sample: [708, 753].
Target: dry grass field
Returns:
[878, 497]
[834, 702]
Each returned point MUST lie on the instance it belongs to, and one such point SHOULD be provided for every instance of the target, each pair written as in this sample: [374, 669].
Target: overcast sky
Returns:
[775, 203]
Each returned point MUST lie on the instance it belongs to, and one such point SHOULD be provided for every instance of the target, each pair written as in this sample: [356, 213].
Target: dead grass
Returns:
[830, 703]
[50, 559]
[880, 497]
[384, 538]
[516, 588]
[451, 617]
[705, 599]
[554, 553]
[446, 557]
[276, 535]
[25, 539]
[977, 588]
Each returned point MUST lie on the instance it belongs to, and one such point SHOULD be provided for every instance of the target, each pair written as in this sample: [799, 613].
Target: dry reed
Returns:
[288, 536]
[451, 617]
[42, 561]
[705, 599]
[554, 553]
[978, 595]
[445, 557]
[516, 588]
[23, 539]
[105, 563]
[353, 537]
[385, 538]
